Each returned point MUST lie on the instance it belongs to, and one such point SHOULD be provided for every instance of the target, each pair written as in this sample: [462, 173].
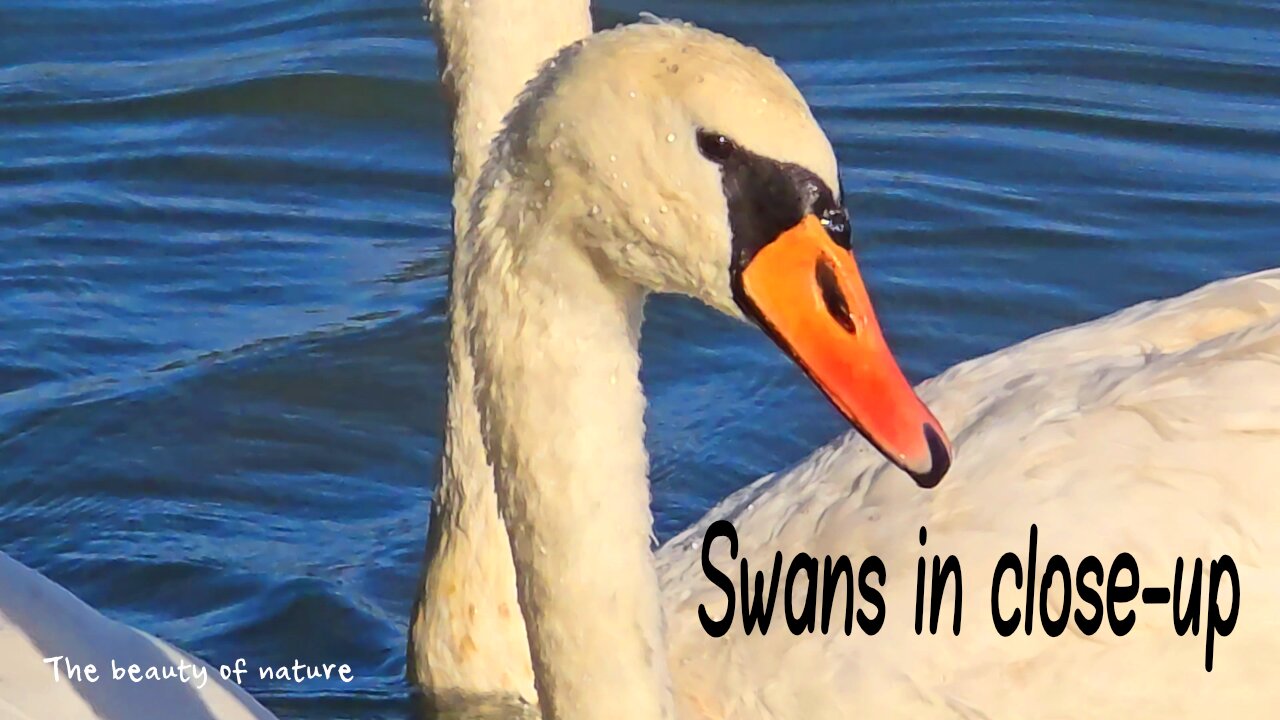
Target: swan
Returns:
[39, 620]
[664, 158]
[487, 51]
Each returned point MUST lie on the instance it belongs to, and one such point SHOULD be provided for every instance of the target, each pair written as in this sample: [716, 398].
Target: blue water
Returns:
[224, 231]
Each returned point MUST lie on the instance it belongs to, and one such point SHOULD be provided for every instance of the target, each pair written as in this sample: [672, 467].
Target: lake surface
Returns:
[224, 233]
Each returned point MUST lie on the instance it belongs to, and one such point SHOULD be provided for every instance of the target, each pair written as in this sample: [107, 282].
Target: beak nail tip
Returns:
[940, 459]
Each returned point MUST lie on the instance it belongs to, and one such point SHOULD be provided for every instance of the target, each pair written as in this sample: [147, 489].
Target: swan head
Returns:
[685, 162]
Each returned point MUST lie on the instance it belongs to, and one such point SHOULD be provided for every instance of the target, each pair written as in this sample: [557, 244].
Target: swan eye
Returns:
[715, 147]
[836, 221]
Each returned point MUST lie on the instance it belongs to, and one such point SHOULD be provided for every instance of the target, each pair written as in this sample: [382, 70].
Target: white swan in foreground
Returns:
[39, 620]
[663, 158]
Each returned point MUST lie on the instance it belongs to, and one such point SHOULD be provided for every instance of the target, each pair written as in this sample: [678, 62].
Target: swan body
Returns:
[39, 620]
[1155, 431]
[1150, 432]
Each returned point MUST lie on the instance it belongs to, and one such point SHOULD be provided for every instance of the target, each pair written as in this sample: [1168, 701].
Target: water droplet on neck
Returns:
[671, 137]
[663, 209]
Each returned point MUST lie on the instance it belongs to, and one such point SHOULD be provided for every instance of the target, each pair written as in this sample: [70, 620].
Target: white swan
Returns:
[1152, 432]
[41, 620]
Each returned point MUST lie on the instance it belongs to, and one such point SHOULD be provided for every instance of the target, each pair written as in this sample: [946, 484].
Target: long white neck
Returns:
[488, 51]
[555, 337]
[467, 636]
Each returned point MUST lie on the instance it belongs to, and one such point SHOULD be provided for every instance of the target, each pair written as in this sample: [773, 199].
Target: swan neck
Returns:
[555, 342]
[467, 636]
[488, 51]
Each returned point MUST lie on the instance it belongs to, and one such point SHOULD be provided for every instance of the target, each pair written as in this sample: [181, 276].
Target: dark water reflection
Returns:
[224, 237]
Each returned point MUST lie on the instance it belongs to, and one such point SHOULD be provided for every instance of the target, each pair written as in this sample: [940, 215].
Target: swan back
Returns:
[40, 620]
[1154, 431]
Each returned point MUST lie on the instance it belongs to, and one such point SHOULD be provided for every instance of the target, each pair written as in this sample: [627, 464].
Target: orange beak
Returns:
[806, 292]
